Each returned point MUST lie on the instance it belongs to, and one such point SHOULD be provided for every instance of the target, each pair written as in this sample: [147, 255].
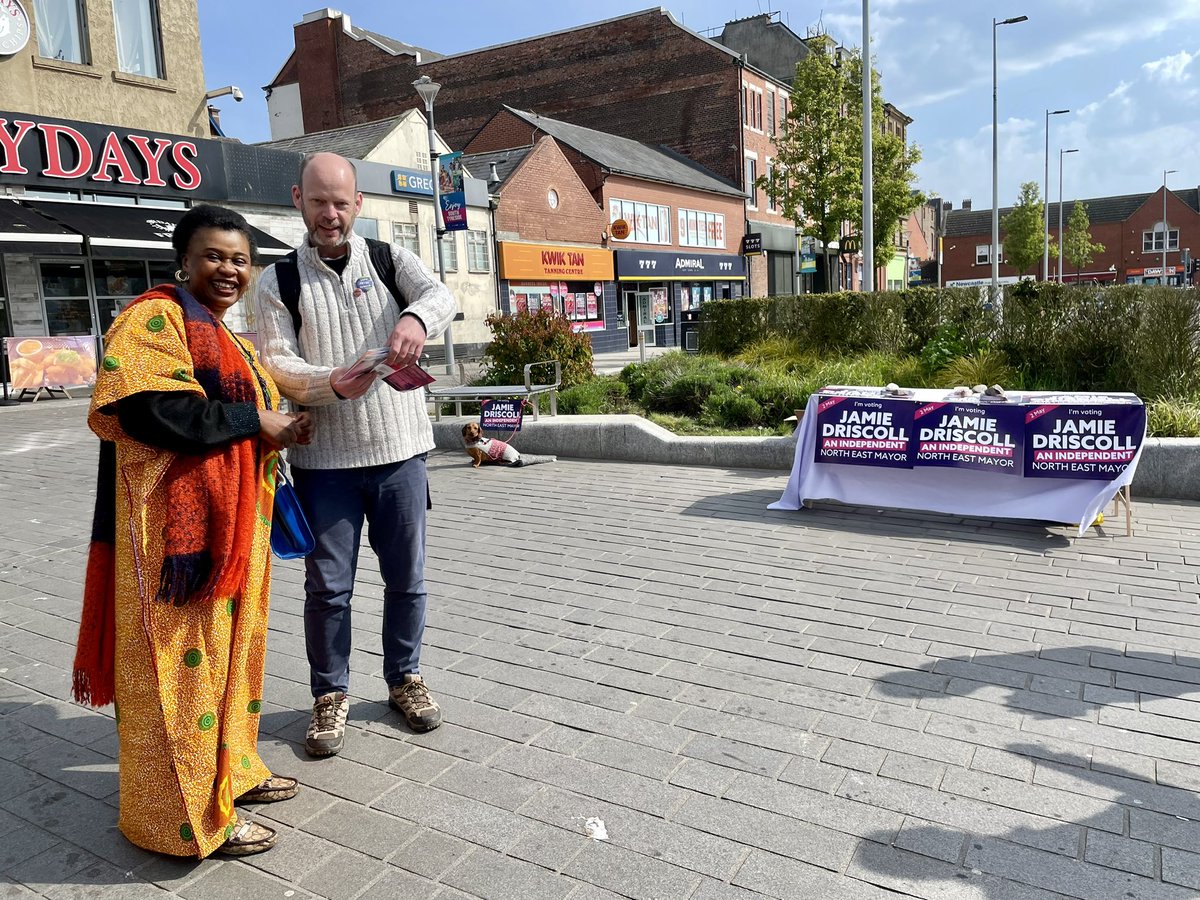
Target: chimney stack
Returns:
[966, 204]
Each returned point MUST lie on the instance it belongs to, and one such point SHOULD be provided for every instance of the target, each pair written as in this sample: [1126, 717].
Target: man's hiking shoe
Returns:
[413, 701]
[327, 730]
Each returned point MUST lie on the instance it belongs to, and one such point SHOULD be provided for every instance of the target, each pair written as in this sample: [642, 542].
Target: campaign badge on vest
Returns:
[362, 286]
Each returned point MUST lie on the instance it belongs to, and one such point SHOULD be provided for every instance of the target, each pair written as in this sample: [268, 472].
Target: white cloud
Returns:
[1170, 68]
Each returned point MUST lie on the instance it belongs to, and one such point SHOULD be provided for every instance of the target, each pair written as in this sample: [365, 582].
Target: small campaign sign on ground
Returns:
[1082, 440]
[860, 431]
[501, 415]
[970, 436]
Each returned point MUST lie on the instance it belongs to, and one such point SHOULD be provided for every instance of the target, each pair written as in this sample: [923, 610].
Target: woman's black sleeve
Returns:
[183, 422]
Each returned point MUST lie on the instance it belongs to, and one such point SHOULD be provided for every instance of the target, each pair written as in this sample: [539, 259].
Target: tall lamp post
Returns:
[995, 254]
[1061, 154]
[1166, 231]
[428, 89]
[868, 200]
[1046, 198]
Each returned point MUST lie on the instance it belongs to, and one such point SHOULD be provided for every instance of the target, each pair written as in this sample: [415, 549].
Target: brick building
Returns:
[679, 249]
[663, 84]
[1130, 227]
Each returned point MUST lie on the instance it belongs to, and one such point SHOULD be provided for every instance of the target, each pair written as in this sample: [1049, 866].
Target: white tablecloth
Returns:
[966, 492]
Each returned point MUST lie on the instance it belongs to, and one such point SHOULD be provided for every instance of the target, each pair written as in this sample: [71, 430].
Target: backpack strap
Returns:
[287, 274]
[384, 264]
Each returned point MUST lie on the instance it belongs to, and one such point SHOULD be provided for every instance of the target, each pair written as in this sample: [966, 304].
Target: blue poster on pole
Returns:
[865, 431]
[1082, 440]
[970, 436]
[451, 192]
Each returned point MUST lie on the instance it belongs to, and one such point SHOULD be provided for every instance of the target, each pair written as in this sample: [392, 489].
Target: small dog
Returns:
[494, 451]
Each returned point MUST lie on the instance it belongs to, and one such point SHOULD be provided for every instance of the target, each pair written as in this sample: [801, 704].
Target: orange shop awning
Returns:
[554, 261]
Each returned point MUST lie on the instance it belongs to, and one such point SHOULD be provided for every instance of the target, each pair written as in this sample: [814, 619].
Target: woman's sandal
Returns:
[248, 838]
[277, 787]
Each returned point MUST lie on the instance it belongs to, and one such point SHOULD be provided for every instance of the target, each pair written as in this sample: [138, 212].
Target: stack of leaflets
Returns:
[406, 378]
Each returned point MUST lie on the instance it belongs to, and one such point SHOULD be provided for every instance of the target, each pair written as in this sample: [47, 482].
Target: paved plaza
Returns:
[841, 704]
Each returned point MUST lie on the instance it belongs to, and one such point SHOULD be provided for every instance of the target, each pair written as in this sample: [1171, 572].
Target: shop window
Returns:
[65, 291]
[62, 30]
[576, 301]
[367, 228]
[405, 234]
[648, 222]
[117, 282]
[477, 252]
[139, 45]
[701, 229]
[449, 248]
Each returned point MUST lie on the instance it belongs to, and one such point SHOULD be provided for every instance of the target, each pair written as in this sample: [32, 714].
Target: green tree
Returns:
[817, 177]
[1078, 246]
[1023, 230]
[819, 154]
[893, 164]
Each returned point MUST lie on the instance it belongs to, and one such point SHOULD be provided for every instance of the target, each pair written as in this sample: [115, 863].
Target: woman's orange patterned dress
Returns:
[188, 678]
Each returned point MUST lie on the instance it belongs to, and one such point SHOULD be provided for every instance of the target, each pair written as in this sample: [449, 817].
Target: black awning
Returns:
[22, 230]
[118, 232]
[135, 232]
[268, 246]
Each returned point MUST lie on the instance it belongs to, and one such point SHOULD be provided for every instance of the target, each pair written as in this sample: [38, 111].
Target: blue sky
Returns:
[1128, 72]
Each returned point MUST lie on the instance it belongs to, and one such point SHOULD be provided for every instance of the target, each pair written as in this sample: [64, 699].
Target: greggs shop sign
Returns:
[549, 261]
[62, 154]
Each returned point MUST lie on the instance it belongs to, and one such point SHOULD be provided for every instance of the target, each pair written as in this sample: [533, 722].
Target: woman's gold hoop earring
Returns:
[181, 276]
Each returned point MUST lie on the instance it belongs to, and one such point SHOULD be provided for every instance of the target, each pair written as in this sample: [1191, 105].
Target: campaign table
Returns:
[1045, 456]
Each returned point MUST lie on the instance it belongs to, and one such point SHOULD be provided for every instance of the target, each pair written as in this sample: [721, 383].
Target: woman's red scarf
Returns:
[211, 503]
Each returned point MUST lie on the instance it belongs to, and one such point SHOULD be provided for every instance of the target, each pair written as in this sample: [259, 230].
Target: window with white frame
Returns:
[751, 177]
[701, 229]
[783, 114]
[649, 223]
[1152, 241]
[62, 30]
[139, 45]
[753, 102]
[983, 254]
[770, 186]
[771, 113]
[405, 234]
[477, 252]
[368, 228]
[449, 246]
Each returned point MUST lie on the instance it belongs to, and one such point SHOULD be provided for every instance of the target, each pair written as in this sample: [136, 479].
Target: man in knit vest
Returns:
[368, 457]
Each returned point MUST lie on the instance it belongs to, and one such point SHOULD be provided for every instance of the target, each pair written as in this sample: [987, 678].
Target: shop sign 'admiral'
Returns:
[34, 150]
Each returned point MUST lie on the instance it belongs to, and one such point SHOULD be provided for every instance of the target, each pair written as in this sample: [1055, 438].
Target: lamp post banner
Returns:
[451, 192]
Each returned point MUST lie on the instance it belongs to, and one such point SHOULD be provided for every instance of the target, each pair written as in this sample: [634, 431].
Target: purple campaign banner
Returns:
[1074, 440]
[501, 415]
[860, 431]
[970, 436]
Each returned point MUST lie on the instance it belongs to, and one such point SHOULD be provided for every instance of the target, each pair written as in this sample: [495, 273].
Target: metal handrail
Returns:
[545, 362]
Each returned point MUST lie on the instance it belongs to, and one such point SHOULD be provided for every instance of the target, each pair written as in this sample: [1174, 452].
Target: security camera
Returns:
[228, 89]
[238, 96]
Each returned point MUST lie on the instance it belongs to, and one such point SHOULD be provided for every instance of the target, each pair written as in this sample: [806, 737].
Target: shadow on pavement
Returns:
[751, 506]
[1080, 782]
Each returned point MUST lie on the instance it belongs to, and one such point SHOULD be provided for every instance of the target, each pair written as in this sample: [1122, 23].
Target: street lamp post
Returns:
[428, 89]
[1166, 231]
[868, 200]
[995, 254]
[1061, 153]
[1046, 198]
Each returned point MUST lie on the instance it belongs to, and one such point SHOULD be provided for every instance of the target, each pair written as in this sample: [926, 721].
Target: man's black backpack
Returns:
[287, 273]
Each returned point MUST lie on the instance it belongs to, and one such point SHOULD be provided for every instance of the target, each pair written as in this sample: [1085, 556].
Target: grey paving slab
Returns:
[842, 703]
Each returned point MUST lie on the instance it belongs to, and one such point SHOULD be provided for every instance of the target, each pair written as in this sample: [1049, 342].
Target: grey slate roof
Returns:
[352, 142]
[394, 45]
[624, 156]
[967, 222]
[479, 165]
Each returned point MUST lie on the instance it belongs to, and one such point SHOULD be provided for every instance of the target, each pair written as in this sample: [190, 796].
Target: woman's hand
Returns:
[277, 429]
[303, 426]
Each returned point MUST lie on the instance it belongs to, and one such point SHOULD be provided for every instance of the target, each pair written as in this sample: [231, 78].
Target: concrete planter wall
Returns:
[1169, 468]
